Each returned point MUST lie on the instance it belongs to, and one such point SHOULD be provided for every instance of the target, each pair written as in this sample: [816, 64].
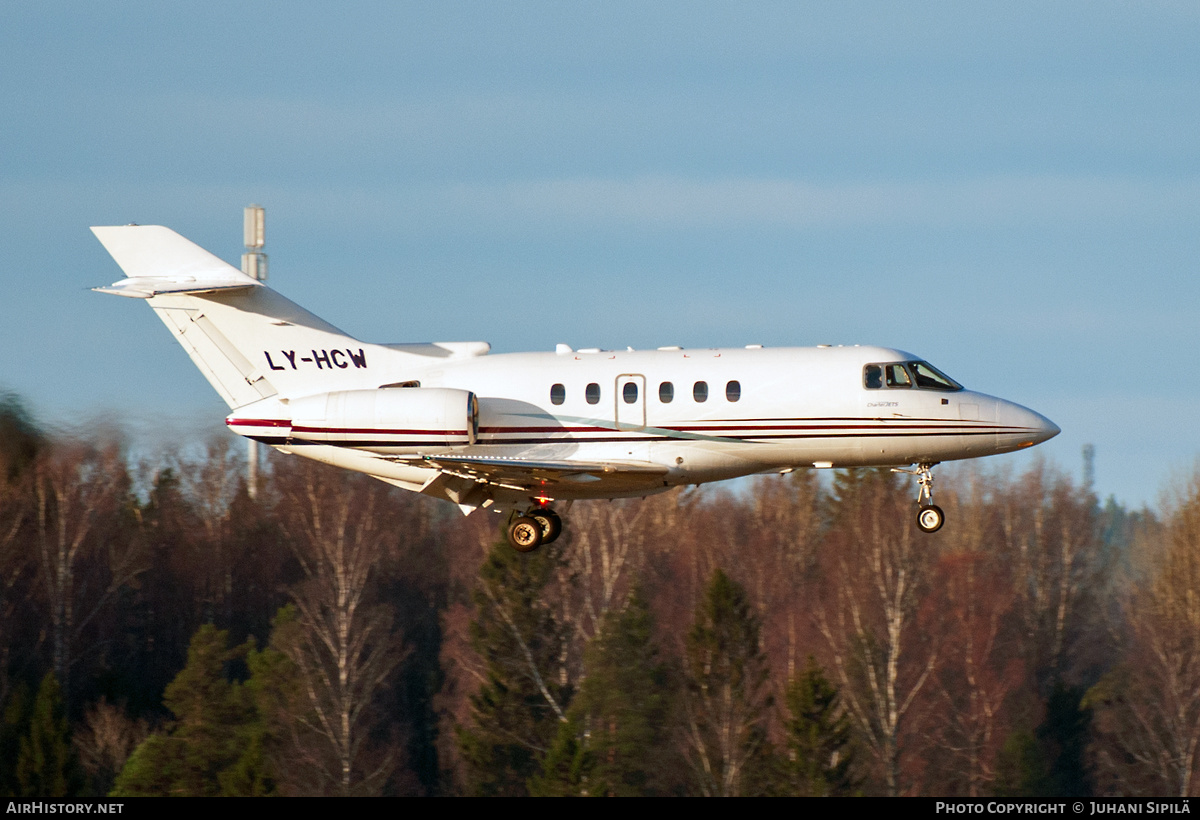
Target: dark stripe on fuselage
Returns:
[751, 439]
[741, 430]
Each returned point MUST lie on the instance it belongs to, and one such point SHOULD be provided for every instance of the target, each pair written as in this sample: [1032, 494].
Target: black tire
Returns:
[525, 534]
[930, 518]
[552, 525]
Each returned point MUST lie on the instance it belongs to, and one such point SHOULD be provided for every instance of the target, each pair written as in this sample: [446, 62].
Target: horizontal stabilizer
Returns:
[144, 288]
[158, 260]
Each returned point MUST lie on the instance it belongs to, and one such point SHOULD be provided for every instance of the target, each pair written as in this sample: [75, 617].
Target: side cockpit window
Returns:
[905, 375]
[897, 376]
[873, 376]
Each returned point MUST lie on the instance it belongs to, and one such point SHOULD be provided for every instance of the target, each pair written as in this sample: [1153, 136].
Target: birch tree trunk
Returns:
[344, 647]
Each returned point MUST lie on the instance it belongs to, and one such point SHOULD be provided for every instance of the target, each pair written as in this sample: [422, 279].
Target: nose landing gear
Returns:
[930, 517]
[539, 525]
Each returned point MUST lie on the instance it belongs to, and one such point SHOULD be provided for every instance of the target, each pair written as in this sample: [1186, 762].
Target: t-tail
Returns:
[249, 342]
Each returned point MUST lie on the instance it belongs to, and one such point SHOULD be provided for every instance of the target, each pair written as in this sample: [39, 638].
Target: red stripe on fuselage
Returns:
[745, 429]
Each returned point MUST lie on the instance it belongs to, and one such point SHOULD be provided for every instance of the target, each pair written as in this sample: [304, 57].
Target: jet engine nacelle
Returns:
[399, 417]
[403, 416]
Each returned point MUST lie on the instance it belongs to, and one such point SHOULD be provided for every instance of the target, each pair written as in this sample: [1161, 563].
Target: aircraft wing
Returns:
[528, 474]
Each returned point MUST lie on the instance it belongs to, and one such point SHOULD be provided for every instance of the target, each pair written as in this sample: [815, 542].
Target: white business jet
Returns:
[519, 432]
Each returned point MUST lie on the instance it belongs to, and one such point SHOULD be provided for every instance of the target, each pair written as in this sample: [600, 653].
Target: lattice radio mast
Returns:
[254, 264]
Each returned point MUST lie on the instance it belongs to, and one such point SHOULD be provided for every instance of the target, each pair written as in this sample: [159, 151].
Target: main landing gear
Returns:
[539, 525]
[930, 517]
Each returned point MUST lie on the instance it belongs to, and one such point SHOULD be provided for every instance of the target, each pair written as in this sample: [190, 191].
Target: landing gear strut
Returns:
[930, 517]
[539, 525]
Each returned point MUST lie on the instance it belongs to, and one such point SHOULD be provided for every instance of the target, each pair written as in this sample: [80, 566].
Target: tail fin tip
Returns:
[156, 259]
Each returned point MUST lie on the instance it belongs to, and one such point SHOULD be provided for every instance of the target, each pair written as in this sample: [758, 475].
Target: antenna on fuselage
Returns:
[254, 264]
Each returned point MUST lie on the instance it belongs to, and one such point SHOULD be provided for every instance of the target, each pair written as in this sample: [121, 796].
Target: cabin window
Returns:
[733, 391]
[666, 392]
[700, 391]
[592, 393]
[629, 392]
[558, 394]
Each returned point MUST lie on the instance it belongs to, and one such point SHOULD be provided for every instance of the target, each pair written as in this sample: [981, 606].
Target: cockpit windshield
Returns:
[921, 375]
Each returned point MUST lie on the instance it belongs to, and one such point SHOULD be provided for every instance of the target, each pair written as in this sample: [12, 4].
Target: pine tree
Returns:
[213, 748]
[14, 723]
[272, 759]
[47, 765]
[567, 769]
[1064, 735]
[1021, 767]
[1049, 762]
[20, 438]
[515, 715]
[819, 732]
[615, 740]
[726, 698]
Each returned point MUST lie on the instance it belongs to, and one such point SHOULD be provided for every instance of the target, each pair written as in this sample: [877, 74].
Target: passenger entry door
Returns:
[630, 411]
[630, 415]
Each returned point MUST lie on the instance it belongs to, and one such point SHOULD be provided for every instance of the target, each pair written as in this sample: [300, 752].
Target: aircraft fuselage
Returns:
[702, 414]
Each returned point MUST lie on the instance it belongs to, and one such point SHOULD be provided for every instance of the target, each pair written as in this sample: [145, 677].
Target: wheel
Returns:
[525, 534]
[551, 524]
[931, 518]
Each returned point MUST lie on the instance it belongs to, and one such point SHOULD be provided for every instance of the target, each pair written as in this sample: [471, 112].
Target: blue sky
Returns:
[1010, 190]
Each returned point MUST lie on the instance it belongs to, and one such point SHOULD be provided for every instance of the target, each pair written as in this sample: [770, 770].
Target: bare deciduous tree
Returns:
[344, 647]
[978, 671]
[1048, 530]
[1148, 709]
[105, 740]
[78, 492]
[881, 659]
[16, 510]
[606, 547]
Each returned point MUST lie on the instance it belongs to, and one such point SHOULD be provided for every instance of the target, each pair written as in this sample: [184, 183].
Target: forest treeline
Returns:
[163, 633]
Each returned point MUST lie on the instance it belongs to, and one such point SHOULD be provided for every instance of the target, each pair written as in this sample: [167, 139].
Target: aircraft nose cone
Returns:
[1025, 424]
[1044, 428]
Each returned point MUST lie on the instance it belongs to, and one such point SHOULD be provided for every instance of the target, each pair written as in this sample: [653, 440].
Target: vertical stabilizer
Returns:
[248, 341]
